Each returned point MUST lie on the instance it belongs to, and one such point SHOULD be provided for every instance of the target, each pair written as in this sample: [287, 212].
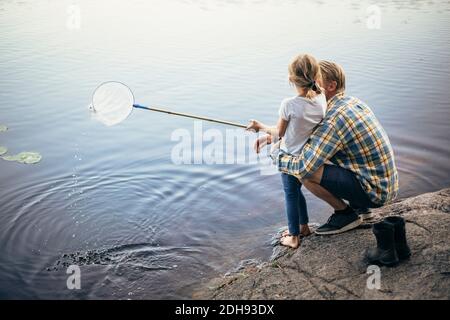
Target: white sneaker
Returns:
[365, 213]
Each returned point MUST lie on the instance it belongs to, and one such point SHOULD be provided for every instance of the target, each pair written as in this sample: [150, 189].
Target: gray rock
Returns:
[332, 267]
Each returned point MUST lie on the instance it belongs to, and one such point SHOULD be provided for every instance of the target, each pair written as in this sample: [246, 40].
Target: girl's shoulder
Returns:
[319, 99]
[289, 100]
[294, 101]
[298, 106]
[288, 105]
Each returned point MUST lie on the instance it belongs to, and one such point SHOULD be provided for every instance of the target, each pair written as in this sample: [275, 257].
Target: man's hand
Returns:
[261, 142]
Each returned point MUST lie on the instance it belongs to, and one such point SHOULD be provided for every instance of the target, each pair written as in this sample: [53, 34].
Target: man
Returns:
[348, 157]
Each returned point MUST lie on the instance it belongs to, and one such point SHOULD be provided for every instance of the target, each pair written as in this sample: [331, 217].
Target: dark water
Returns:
[111, 200]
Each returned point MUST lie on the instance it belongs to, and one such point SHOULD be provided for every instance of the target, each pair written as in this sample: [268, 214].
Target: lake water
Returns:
[112, 200]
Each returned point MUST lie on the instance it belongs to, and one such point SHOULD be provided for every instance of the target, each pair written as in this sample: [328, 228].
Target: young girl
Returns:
[298, 116]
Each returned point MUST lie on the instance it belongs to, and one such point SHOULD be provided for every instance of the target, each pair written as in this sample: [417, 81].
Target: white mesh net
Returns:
[112, 103]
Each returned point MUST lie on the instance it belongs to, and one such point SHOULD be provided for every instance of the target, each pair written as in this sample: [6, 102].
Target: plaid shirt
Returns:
[351, 137]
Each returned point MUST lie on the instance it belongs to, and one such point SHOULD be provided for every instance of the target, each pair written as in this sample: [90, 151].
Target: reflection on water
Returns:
[111, 200]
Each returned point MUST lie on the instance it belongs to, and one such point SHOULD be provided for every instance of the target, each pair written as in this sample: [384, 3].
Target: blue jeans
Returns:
[343, 184]
[296, 210]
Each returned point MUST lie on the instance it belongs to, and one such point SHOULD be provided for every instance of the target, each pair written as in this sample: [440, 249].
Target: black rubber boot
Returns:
[385, 253]
[401, 244]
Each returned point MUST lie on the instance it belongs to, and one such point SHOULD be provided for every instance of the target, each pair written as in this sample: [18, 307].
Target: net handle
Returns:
[188, 115]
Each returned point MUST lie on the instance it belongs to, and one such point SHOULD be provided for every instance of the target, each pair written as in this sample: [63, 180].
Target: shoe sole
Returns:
[385, 264]
[367, 216]
[348, 227]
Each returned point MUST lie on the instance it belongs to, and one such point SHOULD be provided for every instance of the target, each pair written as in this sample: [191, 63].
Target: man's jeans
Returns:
[343, 184]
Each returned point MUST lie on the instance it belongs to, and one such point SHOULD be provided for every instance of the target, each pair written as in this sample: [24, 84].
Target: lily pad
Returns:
[3, 150]
[24, 157]
[3, 128]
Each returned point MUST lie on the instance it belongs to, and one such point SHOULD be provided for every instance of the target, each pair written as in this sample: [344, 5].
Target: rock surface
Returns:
[332, 267]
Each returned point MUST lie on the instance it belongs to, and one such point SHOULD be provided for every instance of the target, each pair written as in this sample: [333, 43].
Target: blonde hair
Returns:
[333, 72]
[304, 72]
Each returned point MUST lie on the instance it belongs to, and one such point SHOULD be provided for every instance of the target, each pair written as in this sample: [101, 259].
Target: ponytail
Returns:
[313, 89]
[304, 72]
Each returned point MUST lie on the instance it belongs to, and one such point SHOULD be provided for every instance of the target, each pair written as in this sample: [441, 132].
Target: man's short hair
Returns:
[333, 72]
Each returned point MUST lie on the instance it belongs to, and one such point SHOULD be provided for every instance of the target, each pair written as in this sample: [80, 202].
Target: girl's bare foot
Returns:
[290, 241]
[304, 231]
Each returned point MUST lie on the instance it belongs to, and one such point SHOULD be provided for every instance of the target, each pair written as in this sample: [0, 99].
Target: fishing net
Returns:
[112, 102]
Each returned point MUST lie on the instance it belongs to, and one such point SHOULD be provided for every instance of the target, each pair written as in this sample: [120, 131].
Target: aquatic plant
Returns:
[22, 157]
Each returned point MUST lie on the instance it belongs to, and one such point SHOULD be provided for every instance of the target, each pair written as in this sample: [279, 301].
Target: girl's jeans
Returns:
[295, 203]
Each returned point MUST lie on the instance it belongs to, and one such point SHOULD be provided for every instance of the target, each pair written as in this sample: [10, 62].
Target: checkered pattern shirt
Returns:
[351, 137]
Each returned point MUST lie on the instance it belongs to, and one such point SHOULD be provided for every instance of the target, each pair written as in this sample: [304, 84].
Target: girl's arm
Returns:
[281, 127]
[276, 132]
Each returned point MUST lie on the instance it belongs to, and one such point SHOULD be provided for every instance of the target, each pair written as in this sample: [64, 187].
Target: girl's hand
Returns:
[261, 142]
[254, 125]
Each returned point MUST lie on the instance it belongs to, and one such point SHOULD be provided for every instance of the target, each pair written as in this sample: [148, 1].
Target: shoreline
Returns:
[332, 267]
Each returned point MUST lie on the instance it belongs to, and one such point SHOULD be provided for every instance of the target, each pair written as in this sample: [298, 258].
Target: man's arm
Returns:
[321, 146]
